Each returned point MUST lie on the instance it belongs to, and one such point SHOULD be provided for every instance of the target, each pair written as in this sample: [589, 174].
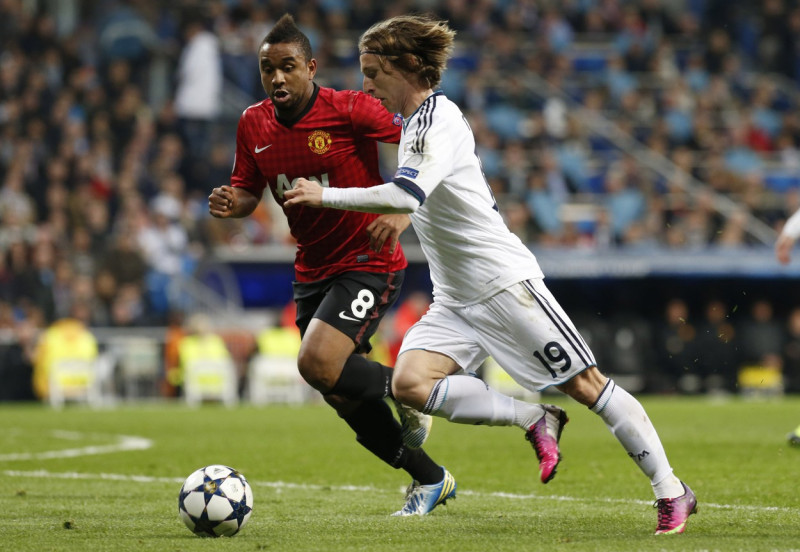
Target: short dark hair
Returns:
[287, 31]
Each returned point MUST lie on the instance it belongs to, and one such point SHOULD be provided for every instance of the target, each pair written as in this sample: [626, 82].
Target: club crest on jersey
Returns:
[319, 141]
[397, 120]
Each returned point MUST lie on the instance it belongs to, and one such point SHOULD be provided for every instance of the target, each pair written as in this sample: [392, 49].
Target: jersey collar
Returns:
[437, 93]
[309, 105]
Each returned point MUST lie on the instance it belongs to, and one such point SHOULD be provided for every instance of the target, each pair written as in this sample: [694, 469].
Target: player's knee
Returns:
[318, 370]
[586, 386]
[410, 387]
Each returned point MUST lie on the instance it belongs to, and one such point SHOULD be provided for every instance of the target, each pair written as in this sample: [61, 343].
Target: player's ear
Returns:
[312, 67]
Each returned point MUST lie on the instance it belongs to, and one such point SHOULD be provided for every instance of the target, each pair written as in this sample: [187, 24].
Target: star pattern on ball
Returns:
[215, 501]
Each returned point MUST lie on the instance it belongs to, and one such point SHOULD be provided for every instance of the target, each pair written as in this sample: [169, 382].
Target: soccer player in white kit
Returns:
[489, 293]
[783, 251]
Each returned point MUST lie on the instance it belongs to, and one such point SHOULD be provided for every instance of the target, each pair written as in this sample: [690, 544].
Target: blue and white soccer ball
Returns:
[215, 501]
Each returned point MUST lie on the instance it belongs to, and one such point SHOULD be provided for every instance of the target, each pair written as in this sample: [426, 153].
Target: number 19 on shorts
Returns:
[553, 355]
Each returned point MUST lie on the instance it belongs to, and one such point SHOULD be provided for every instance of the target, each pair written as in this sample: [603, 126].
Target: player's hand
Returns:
[783, 249]
[387, 228]
[304, 192]
[221, 202]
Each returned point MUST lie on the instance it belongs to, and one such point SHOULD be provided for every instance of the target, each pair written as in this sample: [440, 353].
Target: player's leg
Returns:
[433, 351]
[337, 318]
[378, 432]
[328, 352]
[428, 381]
[621, 412]
[426, 377]
[629, 423]
[327, 357]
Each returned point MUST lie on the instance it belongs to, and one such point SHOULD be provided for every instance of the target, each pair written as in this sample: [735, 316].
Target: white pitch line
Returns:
[281, 485]
[124, 443]
[44, 474]
[747, 507]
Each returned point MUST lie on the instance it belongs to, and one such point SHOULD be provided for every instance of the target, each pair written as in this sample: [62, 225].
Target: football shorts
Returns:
[523, 328]
[352, 302]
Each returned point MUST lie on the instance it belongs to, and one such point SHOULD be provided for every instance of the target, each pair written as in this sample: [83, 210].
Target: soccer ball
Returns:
[215, 501]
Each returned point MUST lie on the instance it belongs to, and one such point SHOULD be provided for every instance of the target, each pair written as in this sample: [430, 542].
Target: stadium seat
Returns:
[781, 182]
[757, 380]
[589, 63]
[74, 380]
[139, 367]
[275, 379]
[210, 379]
[596, 182]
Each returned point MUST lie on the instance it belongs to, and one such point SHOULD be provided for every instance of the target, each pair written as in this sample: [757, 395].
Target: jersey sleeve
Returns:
[792, 226]
[384, 198]
[245, 172]
[429, 153]
[371, 120]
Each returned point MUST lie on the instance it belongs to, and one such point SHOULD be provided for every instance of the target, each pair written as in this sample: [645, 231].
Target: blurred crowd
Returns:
[117, 117]
[712, 346]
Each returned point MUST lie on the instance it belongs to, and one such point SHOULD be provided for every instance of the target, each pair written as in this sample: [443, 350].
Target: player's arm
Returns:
[232, 202]
[247, 184]
[783, 248]
[386, 198]
[423, 167]
[787, 238]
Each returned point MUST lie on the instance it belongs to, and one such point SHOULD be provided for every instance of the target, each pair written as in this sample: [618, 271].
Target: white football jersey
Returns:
[471, 253]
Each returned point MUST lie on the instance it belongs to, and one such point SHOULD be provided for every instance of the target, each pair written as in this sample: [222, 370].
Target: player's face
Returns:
[391, 88]
[286, 76]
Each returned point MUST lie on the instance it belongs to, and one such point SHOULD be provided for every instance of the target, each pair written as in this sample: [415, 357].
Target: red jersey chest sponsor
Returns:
[322, 147]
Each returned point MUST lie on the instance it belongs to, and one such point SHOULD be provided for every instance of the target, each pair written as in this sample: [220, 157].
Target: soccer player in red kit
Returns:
[349, 266]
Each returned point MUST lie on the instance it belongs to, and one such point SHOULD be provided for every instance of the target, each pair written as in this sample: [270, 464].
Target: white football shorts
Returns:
[523, 328]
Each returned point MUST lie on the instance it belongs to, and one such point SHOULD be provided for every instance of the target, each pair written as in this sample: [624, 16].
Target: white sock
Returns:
[468, 400]
[628, 421]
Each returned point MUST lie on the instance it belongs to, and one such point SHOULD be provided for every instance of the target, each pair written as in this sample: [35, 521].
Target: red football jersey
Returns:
[334, 143]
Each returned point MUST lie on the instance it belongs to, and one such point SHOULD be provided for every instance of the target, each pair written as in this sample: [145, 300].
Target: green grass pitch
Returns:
[83, 480]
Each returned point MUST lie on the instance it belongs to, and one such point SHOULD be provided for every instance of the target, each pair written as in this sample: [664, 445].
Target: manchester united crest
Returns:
[319, 141]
